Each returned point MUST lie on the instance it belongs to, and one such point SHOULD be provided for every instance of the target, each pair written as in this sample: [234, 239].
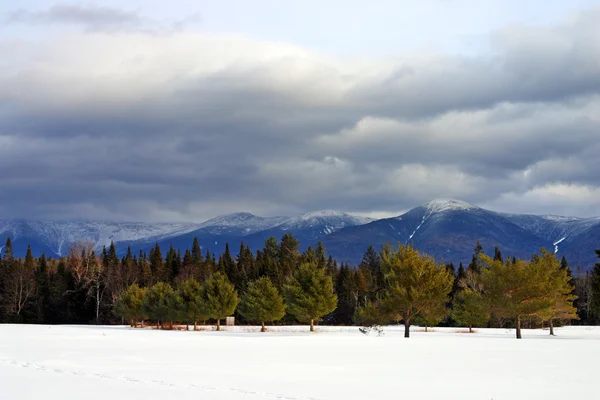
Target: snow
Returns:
[441, 205]
[557, 243]
[247, 222]
[60, 235]
[419, 226]
[67, 362]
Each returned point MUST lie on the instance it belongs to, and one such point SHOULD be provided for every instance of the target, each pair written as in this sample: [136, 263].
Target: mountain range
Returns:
[445, 229]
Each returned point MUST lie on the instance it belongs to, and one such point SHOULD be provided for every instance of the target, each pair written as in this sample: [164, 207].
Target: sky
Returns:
[160, 111]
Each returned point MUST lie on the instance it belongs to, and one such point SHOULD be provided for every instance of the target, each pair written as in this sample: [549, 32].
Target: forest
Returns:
[278, 284]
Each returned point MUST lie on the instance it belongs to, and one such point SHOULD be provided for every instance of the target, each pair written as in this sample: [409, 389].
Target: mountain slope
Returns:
[449, 229]
[445, 229]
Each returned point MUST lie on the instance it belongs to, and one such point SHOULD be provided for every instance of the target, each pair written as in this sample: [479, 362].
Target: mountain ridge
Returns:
[445, 228]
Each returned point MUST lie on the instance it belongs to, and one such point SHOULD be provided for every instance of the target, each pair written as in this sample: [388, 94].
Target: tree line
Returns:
[281, 283]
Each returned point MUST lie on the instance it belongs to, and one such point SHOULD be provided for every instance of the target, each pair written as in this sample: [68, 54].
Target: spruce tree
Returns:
[196, 253]
[370, 266]
[288, 255]
[157, 265]
[309, 294]
[595, 289]
[262, 302]
[477, 262]
[129, 305]
[220, 297]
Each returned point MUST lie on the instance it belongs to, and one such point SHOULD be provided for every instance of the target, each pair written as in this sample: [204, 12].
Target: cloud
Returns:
[95, 18]
[185, 126]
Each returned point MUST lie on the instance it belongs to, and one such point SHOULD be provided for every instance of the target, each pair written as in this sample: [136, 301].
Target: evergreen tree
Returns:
[262, 302]
[196, 254]
[561, 290]
[595, 289]
[42, 290]
[220, 297]
[229, 267]
[346, 289]
[517, 290]
[497, 254]
[7, 251]
[270, 263]
[470, 309]
[415, 285]
[288, 254]
[129, 305]
[370, 266]
[157, 265]
[160, 303]
[193, 306]
[477, 262]
[309, 294]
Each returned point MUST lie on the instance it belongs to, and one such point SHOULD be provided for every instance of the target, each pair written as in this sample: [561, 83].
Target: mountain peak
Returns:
[441, 205]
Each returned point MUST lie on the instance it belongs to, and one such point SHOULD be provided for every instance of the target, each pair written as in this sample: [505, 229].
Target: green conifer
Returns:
[309, 294]
[262, 302]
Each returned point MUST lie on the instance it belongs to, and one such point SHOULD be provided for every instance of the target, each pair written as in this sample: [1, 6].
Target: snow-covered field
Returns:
[109, 363]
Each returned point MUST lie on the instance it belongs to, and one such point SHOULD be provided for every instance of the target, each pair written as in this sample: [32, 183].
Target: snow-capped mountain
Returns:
[449, 229]
[56, 237]
[446, 229]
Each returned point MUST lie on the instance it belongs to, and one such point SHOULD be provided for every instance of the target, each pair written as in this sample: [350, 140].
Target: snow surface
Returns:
[441, 205]
[99, 363]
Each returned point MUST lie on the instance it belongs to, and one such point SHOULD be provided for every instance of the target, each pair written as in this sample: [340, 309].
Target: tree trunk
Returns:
[132, 323]
[195, 325]
[470, 328]
[312, 325]
[518, 327]
[263, 329]
[406, 329]
[551, 328]
[97, 301]
[218, 325]
[425, 328]
[157, 324]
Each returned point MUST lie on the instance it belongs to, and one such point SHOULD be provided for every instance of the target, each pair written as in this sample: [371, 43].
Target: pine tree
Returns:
[516, 290]
[471, 309]
[561, 290]
[159, 302]
[262, 302]
[129, 305]
[220, 297]
[415, 285]
[193, 306]
[309, 294]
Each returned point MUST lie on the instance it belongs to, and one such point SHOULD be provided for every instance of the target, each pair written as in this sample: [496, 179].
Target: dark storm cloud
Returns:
[185, 126]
